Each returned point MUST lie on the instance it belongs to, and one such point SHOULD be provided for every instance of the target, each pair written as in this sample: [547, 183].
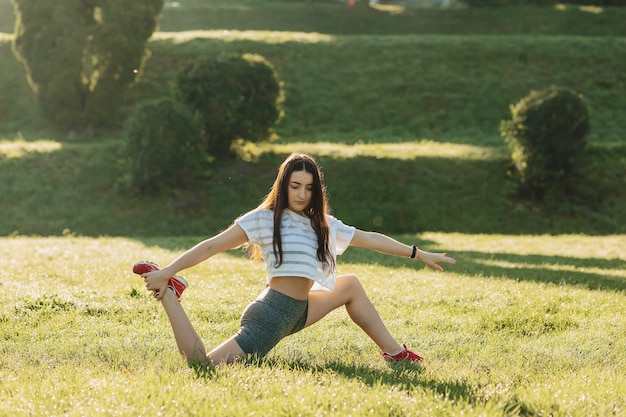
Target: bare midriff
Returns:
[294, 287]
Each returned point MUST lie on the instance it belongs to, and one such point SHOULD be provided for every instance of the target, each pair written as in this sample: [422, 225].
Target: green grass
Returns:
[50, 187]
[335, 18]
[522, 325]
[396, 88]
[338, 19]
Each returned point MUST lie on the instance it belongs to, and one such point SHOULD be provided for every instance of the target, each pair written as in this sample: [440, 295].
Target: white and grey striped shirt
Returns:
[299, 244]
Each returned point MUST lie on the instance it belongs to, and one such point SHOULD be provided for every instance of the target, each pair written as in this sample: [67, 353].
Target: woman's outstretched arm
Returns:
[385, 244]
[230, 238]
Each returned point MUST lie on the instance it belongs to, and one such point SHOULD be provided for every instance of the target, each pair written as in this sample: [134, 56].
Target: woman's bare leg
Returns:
[349, 292]
[227, 352]
[189, 343]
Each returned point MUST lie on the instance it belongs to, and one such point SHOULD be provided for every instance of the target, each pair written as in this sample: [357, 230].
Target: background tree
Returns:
[547, 135]
[165, 131]
[80, 56]
[238, 97]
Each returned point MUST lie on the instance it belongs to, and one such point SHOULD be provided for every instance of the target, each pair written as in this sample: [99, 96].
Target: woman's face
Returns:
[299, 191]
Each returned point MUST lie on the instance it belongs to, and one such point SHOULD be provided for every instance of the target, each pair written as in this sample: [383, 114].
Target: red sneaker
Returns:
[405, 355]
[177, 283]
[144, 266]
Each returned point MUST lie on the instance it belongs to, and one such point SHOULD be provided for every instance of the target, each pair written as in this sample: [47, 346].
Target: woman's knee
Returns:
[350, 283]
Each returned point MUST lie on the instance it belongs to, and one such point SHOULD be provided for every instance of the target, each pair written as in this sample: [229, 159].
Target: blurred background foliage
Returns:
[401, 107]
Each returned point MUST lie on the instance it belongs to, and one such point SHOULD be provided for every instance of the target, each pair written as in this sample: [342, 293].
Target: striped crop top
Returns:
[299, 244]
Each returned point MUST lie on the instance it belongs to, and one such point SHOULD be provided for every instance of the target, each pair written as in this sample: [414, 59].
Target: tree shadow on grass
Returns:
[388, 195]
[588, 273]
[73, 188]
[401, 375]
[559, 270]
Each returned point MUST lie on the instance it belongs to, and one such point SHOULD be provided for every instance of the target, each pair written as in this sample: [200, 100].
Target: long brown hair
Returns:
[277, 201]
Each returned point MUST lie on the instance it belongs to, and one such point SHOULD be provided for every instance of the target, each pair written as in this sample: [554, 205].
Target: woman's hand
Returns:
[432, 259]
[156, 281]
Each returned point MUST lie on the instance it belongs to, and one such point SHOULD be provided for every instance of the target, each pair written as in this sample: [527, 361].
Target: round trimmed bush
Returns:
[164, 147]
[546, 136]
[237, 97]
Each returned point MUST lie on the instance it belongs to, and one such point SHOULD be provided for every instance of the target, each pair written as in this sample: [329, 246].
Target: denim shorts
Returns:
[268, 319]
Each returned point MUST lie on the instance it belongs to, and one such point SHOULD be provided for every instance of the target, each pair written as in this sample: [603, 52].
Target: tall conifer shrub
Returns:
[80, 56]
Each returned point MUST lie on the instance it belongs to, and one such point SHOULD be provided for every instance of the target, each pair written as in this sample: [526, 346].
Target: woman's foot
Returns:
[177, 283]
[405, 355]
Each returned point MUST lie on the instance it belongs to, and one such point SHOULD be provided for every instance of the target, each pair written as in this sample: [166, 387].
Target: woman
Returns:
[293, 233]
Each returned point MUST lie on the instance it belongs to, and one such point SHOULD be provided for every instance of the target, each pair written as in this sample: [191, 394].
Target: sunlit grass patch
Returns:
[263, 36]
[18, 148]
[588, 9]
[574, 246]
[389, 8]
[551, 267]
[402, 151]
[75, 319]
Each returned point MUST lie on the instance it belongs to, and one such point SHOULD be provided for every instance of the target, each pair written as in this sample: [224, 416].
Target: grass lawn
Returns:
[522, 325]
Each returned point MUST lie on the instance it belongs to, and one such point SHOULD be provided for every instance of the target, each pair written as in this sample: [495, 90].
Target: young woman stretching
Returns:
[293, 233]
